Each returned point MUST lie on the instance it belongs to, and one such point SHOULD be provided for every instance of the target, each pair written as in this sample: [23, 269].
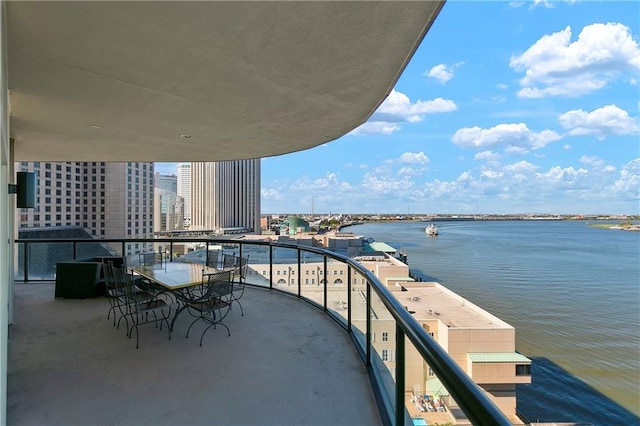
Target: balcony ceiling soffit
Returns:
[122, 81]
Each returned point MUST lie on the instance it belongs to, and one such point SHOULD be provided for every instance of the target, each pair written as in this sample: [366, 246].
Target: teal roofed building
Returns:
[294, 225]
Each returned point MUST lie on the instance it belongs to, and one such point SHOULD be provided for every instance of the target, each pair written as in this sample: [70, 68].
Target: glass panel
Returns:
[285, 269]
[426, 397]
[93, 249]
[258, 261]
[185, 251]
[18, 262]
[337, 290]
[359, 311]
[383, 347]
[42, 259]
[311, 277]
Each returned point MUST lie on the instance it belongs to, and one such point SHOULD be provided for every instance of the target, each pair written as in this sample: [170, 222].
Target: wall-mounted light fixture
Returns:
[25, 188]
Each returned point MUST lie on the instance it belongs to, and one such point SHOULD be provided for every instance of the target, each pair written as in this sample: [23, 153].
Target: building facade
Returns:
[166, 182]
[168, 207]
[184, 190]
[225, 196]
[108, 200]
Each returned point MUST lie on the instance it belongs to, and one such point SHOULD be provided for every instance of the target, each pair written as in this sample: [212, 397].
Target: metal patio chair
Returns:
[238, 278]
[143, 308]
[214, 305]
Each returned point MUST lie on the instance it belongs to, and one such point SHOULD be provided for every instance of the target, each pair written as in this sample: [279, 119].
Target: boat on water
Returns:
[431, 230]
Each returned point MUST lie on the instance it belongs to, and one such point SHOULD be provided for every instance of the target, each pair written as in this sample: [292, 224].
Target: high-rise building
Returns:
[225, 196]
[168, 207]
[168, 182]
[108, 199]
[184, 190]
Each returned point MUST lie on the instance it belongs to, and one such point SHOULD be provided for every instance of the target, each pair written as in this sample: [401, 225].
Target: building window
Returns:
[385, 336]
[430, 372]
[523, 369]
[385, 355]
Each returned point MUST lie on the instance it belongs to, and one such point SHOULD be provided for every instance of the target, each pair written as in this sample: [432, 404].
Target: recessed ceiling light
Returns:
[185, 136]
[95, 126]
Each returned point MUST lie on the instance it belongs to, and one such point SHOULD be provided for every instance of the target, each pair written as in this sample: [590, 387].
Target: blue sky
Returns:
[506, 107]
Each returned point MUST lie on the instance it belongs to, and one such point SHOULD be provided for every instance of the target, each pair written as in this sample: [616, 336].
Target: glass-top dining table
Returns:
[174, 275]
[178, 278]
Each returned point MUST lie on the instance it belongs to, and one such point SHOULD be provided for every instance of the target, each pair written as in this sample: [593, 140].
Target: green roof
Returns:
[384, 247]
[407, 279]
[498, 357]
[435, 387]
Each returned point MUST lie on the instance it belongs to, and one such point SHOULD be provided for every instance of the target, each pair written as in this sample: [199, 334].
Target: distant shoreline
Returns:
[618, 226]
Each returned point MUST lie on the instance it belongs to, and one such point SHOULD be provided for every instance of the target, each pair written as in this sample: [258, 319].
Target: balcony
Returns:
[285, 362]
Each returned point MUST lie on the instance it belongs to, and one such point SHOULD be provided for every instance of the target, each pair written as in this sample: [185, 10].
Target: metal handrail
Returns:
[474, 403]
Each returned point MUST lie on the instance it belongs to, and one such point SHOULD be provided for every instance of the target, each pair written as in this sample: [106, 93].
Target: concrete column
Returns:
[6, 218]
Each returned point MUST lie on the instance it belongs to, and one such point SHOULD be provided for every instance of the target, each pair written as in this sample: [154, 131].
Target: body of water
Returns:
[571, 291]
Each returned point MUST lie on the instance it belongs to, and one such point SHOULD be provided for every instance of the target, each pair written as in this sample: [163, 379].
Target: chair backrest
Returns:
[213, 257]
[124, 282]
[107, 269]
[228, 261]
[219, 284]
[243, 265]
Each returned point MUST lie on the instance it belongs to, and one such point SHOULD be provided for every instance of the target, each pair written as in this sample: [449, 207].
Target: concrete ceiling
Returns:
[202, 80]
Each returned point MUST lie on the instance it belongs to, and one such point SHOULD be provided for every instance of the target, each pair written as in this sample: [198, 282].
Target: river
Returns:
[572, 292]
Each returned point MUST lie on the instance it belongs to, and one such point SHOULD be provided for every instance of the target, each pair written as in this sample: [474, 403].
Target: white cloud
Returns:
[629, 181]
[502, 86]
[442, 72]
[602, 122]
[328, 182]
[487, 156]
[411, 171]
[414, 158]
[375, 127]
[397, 108]
[376, 184]
[491, 174]
[515, 138]
[270, 194]
[543, 3]
[522, 186]
[521, 167]
[555, 66]
[597, 164]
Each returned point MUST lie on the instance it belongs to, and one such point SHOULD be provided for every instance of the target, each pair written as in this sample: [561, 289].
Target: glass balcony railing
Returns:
[395, 349]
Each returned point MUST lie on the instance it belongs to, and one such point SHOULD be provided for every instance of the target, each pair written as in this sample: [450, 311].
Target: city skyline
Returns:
[538, 114]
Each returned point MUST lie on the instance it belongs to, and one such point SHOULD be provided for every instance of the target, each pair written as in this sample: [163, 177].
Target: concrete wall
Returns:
[499, 372]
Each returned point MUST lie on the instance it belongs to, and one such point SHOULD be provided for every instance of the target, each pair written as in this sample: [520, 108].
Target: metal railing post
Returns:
[25, 263]
[368, 346]
[349, 299]
[299, 280]
[270, 266]
[326, 284]
[400, 375]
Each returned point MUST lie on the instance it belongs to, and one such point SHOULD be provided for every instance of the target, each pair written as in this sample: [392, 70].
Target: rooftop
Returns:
[432, 300]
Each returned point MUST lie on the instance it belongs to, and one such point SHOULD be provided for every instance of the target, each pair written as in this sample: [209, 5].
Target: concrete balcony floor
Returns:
[285, 363]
